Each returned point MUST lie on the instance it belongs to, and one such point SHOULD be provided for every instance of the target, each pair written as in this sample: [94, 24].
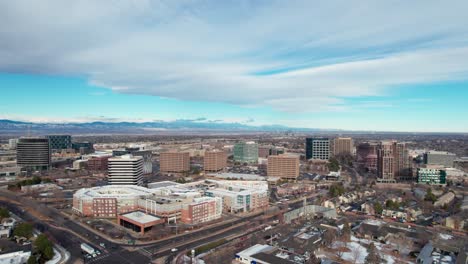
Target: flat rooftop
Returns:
[141, 217]
[156, 185]
[244, 176]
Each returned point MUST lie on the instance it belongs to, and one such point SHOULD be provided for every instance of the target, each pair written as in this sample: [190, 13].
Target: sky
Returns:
[366, 65]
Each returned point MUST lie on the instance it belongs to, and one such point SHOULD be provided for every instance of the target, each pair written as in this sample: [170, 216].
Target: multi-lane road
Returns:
[70, 234]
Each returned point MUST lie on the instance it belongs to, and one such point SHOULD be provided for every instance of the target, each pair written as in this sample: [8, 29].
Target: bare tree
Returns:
[355, 254]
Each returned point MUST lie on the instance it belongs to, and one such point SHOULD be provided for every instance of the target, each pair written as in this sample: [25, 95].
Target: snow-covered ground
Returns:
[358, 250]
[56, 259]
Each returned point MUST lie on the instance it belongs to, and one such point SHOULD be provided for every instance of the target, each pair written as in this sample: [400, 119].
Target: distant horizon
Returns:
[247, 128]
[367, 66]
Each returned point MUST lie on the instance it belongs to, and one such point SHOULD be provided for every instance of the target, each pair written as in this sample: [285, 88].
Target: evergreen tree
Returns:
[4, 213]
[23, 230]
[373, 256]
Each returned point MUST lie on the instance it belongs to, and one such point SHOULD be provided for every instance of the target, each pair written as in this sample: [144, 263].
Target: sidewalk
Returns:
[61, 255]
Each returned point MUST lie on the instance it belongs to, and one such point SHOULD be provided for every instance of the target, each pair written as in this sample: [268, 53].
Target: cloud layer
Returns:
[288, 55]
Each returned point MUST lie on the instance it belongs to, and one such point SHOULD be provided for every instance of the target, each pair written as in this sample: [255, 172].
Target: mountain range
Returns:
[99, 127]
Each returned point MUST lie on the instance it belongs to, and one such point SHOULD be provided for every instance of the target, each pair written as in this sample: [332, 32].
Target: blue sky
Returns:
[376, 65]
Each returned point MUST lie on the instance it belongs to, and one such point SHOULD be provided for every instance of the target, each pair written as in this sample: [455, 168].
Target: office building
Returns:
[343, 146]
[146, 154]
[12, 143]
[83, 147]
[431, 176]
[60, 142]
[214, 161]
[125, 170]
[174, 162]
[284, 166]
[264, 151]
[246, 152]
[98, 162]
[443, 158]
[318, 148]
[33, 153]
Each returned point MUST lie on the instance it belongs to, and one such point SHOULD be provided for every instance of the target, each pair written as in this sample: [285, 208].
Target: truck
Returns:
[88, 249]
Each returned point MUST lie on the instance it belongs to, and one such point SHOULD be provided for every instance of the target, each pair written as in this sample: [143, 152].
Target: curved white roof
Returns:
[114, 191]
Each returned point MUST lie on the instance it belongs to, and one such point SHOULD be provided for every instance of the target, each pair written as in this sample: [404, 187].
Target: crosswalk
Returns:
[145, 252]
[98, 258]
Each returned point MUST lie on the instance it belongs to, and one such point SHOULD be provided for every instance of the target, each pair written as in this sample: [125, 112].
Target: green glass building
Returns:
[246, 152]
[431, 176]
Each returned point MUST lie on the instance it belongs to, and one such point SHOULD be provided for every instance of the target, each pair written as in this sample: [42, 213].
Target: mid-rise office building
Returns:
[284, 166]
[98, 163]
[125, 170]
[60, 142]
[318, 148]
[214, 161]
[83, 147]
[146, 154]
[431, 176]
[33, 153]
[264, 151]
[246, 152]
[174, 162]
[443, 158]
[343, 146]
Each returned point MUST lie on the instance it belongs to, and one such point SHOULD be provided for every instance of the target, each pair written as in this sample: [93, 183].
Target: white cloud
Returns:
[210, 50]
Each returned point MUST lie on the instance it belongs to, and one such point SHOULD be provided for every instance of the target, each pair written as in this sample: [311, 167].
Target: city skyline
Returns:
[375, 67]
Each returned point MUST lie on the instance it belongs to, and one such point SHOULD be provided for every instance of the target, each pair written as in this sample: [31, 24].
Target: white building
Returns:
[18, 257]
[245, 256]
[12, 143]
[125, 170]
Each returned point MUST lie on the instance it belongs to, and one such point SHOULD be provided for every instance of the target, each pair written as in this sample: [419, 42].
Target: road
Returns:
[69, 234]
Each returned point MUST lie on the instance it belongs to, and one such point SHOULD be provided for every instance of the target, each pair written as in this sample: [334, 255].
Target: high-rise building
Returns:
[12, 143]
[318, 148]
[385, 162]
[431, 176]
[443, 158]
[366, 154]
[342, 146]
[284, 166]
[60, 142]
[214, 161]
[264, 151]
[33, 153]
[125, 170]
[98, 163]
[174, 162]
[402, 162]
[393, 162]
[146, 154]
[246, 152]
